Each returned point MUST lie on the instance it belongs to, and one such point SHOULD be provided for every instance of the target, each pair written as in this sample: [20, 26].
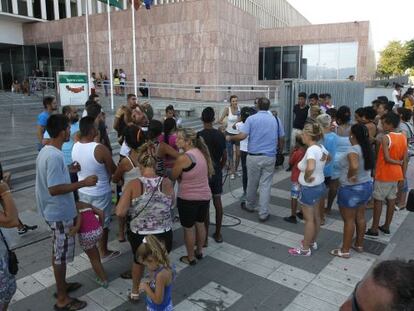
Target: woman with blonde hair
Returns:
[312, 187]
[147, 203]
[193, 169]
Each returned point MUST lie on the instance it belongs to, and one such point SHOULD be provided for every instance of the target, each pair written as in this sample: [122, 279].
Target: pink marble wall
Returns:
[192, 42]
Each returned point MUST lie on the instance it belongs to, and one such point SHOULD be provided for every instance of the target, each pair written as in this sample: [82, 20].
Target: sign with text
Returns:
[72, 88]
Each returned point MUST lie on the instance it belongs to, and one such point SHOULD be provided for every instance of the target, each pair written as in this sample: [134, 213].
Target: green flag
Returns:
[115, 3]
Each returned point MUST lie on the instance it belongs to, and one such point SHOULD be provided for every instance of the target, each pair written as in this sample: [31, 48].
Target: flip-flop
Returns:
[71, 288]
[121, 241]
[127, 275]
[218, 239]
[198, 255]
[337, 252]
[74, 305]
[111, 256]
[184, 259]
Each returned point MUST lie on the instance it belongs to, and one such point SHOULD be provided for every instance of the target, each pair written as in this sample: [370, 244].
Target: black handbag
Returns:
[280, 158]
[13, 262]
[410, 201]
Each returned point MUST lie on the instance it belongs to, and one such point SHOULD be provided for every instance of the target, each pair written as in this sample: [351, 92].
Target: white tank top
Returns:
[231, 120]
[132, 174]
[84, 154]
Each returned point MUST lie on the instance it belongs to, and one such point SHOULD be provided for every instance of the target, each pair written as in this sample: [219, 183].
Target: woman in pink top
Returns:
[88, 225]
[193, 169]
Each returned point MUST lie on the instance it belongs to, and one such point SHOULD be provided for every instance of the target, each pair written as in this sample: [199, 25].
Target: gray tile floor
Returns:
[250, 271]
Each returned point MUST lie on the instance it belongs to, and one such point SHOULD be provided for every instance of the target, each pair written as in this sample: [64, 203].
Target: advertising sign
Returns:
[72, 88]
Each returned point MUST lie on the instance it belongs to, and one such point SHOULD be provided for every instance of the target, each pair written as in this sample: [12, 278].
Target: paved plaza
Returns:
[251, 270]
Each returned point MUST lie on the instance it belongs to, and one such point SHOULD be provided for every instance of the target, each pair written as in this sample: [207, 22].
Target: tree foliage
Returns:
[391, 59]
[408, 58]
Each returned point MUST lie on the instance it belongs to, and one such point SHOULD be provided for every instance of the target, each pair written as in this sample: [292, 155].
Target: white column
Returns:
[29, 4]
[43, 9]
[15, 7]
[1, 9]
[56, 9]
[125, 4]
[68, 9]
[79, 7]
[99, 7]
[89, 2]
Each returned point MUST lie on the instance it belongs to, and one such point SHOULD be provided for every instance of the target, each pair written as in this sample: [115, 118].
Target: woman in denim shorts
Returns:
[312, 186]
[355, 189]
[8, 219]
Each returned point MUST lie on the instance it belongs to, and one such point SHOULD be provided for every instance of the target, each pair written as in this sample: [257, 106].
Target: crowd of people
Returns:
[163, 165]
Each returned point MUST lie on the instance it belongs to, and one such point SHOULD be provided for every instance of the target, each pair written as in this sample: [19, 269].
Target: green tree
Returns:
[408, 59]
[391, 59]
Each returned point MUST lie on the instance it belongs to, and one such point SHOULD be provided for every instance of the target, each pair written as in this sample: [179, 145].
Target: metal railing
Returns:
[42, 86]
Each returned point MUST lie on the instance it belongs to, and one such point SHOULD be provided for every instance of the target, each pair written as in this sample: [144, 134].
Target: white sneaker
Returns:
[314, 245]
[232, 177]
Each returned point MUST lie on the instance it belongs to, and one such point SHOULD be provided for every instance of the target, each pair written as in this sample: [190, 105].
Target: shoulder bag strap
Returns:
[278, 131]
[5, 242]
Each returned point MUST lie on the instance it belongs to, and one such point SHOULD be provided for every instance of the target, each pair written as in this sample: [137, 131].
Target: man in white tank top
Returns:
[95, 159]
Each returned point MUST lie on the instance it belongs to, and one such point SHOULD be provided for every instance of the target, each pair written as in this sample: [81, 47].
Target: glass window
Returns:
[290, 63]
[348, 58]
[328, 61]
[310, 62]
[36, 10]
[56, 54]
[272, 63]
[22, 7]
[261, 63]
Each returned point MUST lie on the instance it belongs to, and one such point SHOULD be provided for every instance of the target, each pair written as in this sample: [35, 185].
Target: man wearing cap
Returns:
[263, 133]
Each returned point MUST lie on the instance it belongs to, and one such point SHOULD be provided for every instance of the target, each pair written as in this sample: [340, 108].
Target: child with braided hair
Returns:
[153, 254]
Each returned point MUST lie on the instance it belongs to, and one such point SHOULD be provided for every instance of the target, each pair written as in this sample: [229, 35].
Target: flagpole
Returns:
[108, 9]
[134, 52]
[87, 45]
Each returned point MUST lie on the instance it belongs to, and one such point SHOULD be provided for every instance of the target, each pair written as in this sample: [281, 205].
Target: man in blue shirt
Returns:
[263, 133]
[50, 106]
[56, 204]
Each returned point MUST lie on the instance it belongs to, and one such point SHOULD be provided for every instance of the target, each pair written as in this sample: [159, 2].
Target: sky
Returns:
[390, 20]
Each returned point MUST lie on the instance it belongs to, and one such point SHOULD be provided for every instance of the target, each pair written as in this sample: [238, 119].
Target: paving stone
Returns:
[287, 280]
[29, 285]
[105, 298]
[313, 303]
[325, 294]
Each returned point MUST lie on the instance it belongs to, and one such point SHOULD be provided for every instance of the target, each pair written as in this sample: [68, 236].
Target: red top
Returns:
[295, 158]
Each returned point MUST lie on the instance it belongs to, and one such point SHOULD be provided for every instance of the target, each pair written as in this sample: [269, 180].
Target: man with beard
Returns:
[50, 107]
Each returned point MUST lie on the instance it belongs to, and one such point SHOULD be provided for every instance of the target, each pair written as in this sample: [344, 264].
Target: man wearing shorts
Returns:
[56, 203]
[216, 144]
[96, 159]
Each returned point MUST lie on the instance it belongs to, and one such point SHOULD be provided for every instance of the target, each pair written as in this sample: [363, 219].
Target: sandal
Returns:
[358, 249]
[74, 305]
[218, 239]
[382, 228]
[70, 288]
[184, 259]
[337, 252]
[134, 298]
[127, 275]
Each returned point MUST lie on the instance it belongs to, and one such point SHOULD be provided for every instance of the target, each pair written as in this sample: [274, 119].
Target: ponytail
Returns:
[147, 155]
[361, 133]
